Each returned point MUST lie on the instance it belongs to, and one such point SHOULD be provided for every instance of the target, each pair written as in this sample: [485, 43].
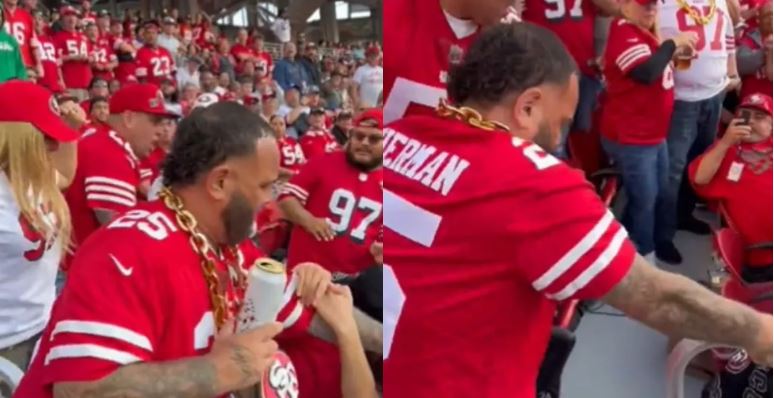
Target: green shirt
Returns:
[11, 65]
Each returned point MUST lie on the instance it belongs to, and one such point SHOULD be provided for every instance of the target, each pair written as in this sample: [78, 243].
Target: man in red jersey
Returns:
[159, 319]
[88, 16]
[317, 141]
[291, 154]
[537, 230]
[50, 59]
[103, 58]
[262, 58]
[73, 48]
[425, 38]
[154, 63]
[19, 24]
[335, 204]
[107, 179]
[241, 50]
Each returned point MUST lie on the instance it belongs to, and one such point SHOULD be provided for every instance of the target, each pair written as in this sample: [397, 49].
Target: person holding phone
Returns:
[737, 171]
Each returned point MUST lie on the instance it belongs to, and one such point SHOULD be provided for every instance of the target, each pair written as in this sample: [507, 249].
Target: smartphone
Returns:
[745, 115]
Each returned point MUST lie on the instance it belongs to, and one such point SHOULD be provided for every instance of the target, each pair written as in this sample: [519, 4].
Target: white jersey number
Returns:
[343, 204]
[556, 9]
[715, 29]
[156, 225]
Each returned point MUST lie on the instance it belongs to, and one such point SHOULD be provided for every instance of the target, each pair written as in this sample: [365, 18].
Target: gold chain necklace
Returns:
[696, 15]
[187, 222]
[469, 116]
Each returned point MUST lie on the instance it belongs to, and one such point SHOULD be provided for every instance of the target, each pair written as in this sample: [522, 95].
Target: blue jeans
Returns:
[588, 95]
[693, 129]
[644, 169]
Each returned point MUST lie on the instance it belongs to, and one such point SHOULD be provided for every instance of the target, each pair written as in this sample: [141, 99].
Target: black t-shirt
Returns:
[740, 379]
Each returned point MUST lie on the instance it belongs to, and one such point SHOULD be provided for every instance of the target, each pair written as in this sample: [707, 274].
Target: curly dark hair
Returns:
[508, 59]
[208, 137]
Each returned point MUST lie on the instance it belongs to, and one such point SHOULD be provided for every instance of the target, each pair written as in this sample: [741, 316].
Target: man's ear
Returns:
[526, 109]
[217, 182]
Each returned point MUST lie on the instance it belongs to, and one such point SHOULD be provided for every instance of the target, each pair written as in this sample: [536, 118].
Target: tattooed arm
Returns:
[369, 329]
[235, 362]
[676, 305]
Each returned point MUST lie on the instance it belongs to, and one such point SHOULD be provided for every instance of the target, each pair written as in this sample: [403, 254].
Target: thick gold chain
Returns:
[469, 116]
[697, 16]
[202, 247]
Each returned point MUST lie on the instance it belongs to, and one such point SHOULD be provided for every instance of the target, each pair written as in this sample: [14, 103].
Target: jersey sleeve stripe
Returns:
[91, 351]
[633, 57]
[111, 199]
[631, 50]
[572, 256]
[103, 330]
[290, 290]
[409, 220]
[109, 181]
[599, 265]
[293, 317]
[295, 190]
[107, 189]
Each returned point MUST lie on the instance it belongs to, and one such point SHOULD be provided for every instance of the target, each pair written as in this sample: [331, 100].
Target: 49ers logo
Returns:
[280, 380]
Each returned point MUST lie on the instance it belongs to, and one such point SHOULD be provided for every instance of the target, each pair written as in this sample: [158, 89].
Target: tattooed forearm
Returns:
[678, 306]
[190, 378]
[369, 329]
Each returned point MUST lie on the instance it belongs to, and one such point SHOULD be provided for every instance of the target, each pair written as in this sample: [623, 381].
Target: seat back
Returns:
[729, 249]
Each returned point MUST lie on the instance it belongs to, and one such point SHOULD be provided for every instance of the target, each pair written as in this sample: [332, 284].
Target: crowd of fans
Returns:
[128, 85]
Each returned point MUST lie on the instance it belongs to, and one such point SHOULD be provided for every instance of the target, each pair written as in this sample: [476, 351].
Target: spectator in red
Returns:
[262, 58]
[73, 47]
[754, 56]
[19, 24]
[737, 172]
[103, 58]
[154, 63]
[103, 23]
[125, 52]
[241, 50]
[49, 58]
[317, 140]
[291, 154]
[88, 16]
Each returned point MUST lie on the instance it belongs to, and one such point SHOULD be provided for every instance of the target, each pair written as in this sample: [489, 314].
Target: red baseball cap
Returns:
[370, 118]
[26, 102]
[373, 50]
[761, 102]
[139, 97]
[68, 10]
[646, 2]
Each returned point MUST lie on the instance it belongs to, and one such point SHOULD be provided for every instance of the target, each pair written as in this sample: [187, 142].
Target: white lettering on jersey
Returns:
[156, 225]
[436, 170]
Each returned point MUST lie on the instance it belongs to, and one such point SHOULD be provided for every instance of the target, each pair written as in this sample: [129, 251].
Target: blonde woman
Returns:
[34, 218]
[636, 113]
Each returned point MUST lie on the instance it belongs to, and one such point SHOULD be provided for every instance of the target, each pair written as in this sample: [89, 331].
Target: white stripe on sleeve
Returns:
[641, 51]
[91, 351]
[599, 265]
[111, 199]
[111, 190]
[293, 317]
[103, 330]
[110, 181]
[573, 255]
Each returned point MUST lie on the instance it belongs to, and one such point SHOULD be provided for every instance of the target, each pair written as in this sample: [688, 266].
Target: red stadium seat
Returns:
[273, 231]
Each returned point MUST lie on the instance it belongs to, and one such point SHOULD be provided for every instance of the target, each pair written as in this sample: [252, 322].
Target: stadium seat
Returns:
[273, 232]
[10, 376]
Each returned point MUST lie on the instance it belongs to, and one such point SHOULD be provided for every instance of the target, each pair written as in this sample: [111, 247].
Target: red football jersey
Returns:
[263, 60]
[94, 330]
[76, 74]
[51, 62]
[572, 21]
[474, 248]
[318, 142]
[154, 64]
[419, 48]
[329, 187]
[241, 53]
[107, 178]
[634, 113]
[19, 25]
[291, 154]
[102, 54]
[746, 197]
[88, 18]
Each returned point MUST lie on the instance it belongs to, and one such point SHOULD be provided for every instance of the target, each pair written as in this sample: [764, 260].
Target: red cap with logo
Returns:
[68, 10]
[760, 102]
[370, 118]
[26, 102]
[137, 97]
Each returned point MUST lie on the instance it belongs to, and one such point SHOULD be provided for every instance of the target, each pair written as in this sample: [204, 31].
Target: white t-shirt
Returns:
[28, 267]
[369, 79]
[708, 74]
[281, 28]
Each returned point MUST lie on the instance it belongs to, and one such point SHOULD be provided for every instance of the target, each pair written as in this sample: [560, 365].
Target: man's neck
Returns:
[10, 8]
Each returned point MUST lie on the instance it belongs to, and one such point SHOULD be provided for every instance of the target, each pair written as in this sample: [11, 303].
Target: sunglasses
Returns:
[360, 136]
